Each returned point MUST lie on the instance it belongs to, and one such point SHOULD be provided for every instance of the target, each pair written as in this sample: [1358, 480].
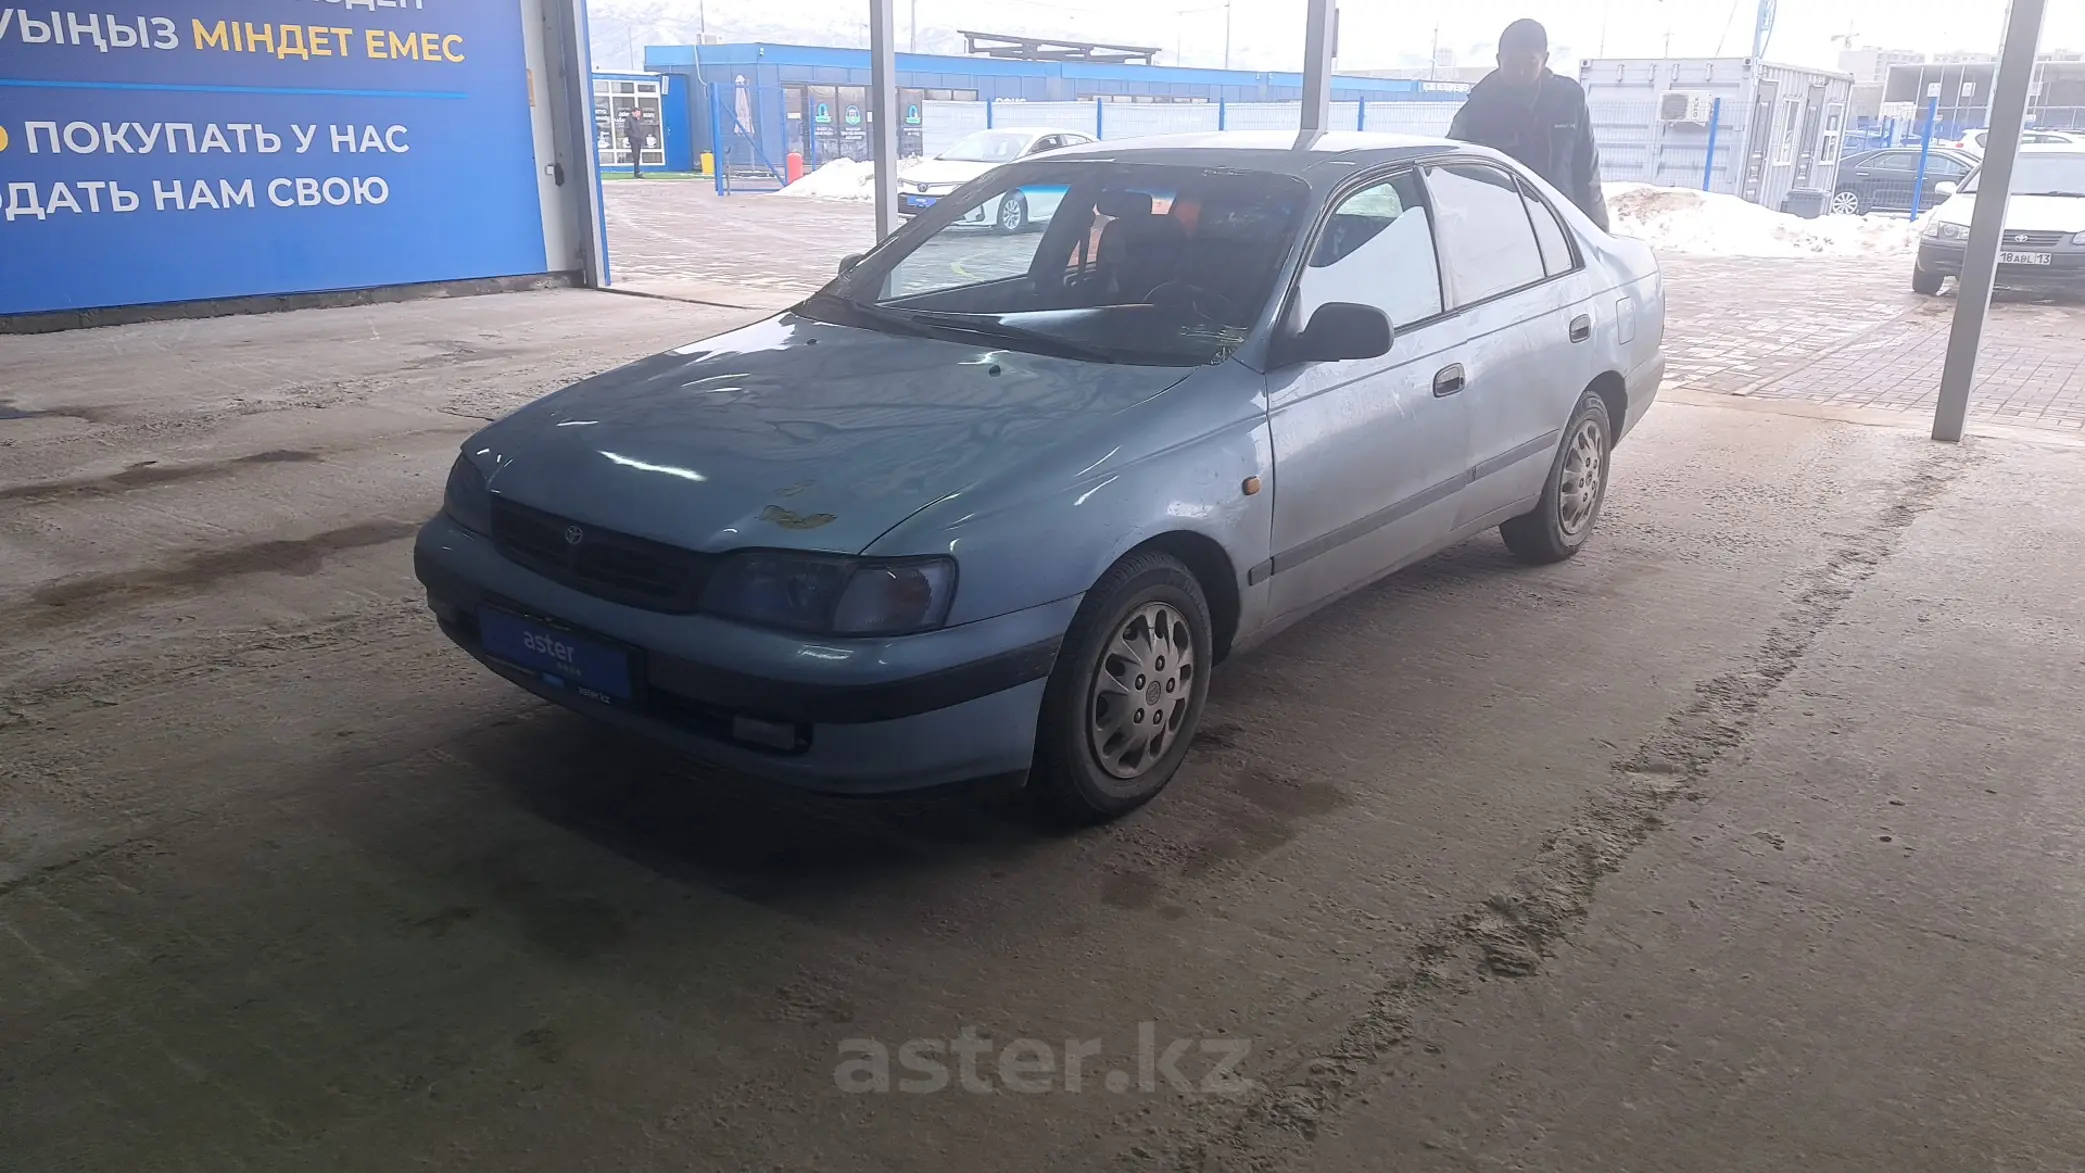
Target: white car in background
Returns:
[1977, 140]
[972, 156]
[2043, 246]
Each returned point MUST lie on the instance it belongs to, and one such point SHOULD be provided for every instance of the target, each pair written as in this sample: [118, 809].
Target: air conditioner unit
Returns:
[1686, 106]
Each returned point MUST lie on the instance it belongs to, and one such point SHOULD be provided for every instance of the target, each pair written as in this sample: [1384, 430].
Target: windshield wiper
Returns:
[986, 326]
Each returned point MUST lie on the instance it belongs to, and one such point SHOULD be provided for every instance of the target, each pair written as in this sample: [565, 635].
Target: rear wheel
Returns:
[1848, 203]
[1925, 283]
[1123, 701]
[1558, 526]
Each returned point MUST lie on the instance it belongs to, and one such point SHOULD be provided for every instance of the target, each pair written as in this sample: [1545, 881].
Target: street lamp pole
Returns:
[1227, 34]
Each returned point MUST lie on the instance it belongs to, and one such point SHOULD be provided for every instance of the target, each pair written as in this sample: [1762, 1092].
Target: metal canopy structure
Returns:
[2023, 32]
[1051, 49]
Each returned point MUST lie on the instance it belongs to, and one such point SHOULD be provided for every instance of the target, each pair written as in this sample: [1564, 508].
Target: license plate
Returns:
[558, 657]
[919, 201]
[2026, 258]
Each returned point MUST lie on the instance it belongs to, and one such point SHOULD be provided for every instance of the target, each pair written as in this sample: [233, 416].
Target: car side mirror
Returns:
[1948, 187]
[848, 262]
[1341, 330]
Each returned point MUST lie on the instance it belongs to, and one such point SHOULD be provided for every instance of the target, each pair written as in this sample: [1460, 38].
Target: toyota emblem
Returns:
[574, 535]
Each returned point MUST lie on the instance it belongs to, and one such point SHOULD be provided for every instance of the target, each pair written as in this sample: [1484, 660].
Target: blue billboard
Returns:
[169, 150]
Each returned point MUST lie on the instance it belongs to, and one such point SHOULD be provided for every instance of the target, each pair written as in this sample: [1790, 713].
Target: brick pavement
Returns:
[1839, 332]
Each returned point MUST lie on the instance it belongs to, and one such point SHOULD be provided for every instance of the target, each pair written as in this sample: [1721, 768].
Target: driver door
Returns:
[1370, 455]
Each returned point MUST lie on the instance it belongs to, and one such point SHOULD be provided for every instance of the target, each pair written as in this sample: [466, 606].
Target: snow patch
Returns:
[842, 179]
[1681, 220]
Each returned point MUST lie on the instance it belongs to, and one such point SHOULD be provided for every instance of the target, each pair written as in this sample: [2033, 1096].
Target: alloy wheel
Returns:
[1846, 203]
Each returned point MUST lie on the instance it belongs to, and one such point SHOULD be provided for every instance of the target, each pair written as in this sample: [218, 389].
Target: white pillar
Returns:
[884, 115]
[2023, 32]
[1320, 46]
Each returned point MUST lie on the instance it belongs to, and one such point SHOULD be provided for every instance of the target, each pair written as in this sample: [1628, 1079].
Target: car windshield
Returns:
[1117, 263]
[2044, 173]
[988, 146]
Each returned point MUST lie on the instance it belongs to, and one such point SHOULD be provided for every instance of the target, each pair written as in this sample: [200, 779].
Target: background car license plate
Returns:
[558, 656]
[919, 201]
[2026, 258]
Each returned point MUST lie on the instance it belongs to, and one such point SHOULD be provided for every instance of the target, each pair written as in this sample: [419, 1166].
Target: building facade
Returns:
[775, 100]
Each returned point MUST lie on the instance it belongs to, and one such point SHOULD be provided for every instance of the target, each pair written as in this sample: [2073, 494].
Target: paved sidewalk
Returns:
[1843, 333]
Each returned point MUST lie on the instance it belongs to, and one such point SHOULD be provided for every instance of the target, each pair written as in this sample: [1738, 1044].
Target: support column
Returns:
[883, 112]
[2023, 32]
[1320, 47]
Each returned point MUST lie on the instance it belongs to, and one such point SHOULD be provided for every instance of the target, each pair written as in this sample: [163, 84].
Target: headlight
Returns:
[465, 500]
[1942, 230]
[2078, 239]
[832, 595]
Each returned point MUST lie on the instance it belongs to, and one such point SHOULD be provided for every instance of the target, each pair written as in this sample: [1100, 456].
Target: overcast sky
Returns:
[1266, 34]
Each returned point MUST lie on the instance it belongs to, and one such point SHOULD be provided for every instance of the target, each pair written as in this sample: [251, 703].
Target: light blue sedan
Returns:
[992, 507]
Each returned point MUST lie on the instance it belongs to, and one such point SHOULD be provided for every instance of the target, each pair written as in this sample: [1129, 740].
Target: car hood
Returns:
[796, 433]
[940, 171]
[2024, 213]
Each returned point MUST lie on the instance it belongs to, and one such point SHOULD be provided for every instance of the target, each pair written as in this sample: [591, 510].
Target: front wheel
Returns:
[1560, 523]
[1123, 701]
[1848, 203]
[1013, 214]
[1925, 284]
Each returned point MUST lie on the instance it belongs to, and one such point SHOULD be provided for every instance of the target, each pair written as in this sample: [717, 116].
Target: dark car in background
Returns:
[1882, 181]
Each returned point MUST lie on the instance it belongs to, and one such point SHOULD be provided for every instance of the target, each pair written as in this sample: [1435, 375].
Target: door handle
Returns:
[1581, 328]
[1449, 381]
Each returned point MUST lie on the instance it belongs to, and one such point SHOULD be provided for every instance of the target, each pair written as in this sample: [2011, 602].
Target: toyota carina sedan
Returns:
[992, 507]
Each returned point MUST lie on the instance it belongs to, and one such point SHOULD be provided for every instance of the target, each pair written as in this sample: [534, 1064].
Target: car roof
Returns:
[1275, 152]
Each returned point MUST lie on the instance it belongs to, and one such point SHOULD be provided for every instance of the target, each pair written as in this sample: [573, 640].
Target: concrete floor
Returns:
[1750, 839]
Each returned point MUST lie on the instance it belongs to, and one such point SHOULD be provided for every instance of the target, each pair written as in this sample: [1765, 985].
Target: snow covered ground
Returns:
[1669, 219]
[1680, 220]
[842, 179]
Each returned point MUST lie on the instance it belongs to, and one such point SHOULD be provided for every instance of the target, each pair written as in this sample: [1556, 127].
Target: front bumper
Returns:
[869, 716]
[2065, 270]
[986, 213]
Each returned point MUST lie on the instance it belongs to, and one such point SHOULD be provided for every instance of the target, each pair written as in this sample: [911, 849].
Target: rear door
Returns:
[1889, 177]
[1514, 280]
[1368, 454]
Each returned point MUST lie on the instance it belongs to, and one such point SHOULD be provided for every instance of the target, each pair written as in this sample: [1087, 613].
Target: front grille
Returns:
[637, 572]
[2036, 239]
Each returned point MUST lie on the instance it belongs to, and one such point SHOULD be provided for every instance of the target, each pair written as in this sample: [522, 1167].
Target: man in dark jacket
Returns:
[1537, 118]
[636, 131]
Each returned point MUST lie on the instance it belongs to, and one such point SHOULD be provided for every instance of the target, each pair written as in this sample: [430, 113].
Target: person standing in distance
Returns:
[1537, 118]
[635, 130]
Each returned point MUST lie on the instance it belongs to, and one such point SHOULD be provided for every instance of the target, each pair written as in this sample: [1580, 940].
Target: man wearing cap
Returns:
[1536, 117]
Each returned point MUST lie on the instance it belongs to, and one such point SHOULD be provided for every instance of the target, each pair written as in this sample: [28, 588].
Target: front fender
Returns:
[1178, 462]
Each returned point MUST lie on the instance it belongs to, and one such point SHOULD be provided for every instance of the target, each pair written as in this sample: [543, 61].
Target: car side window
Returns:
[1549, 234]
[1488, 245]
[1048, 142]
[1894, 161]
[1376, 248]
[1945, 169]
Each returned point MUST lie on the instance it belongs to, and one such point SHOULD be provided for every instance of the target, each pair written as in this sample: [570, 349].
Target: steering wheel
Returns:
[1195, 298]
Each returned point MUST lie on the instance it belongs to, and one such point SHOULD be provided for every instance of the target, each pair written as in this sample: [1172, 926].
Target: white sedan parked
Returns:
[972, 156]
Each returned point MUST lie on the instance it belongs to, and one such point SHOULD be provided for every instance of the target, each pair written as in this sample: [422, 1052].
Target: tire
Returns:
[1558, 526]
[1088, 764]
[1923, 283]
[1848, 203]
[1013, 215]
